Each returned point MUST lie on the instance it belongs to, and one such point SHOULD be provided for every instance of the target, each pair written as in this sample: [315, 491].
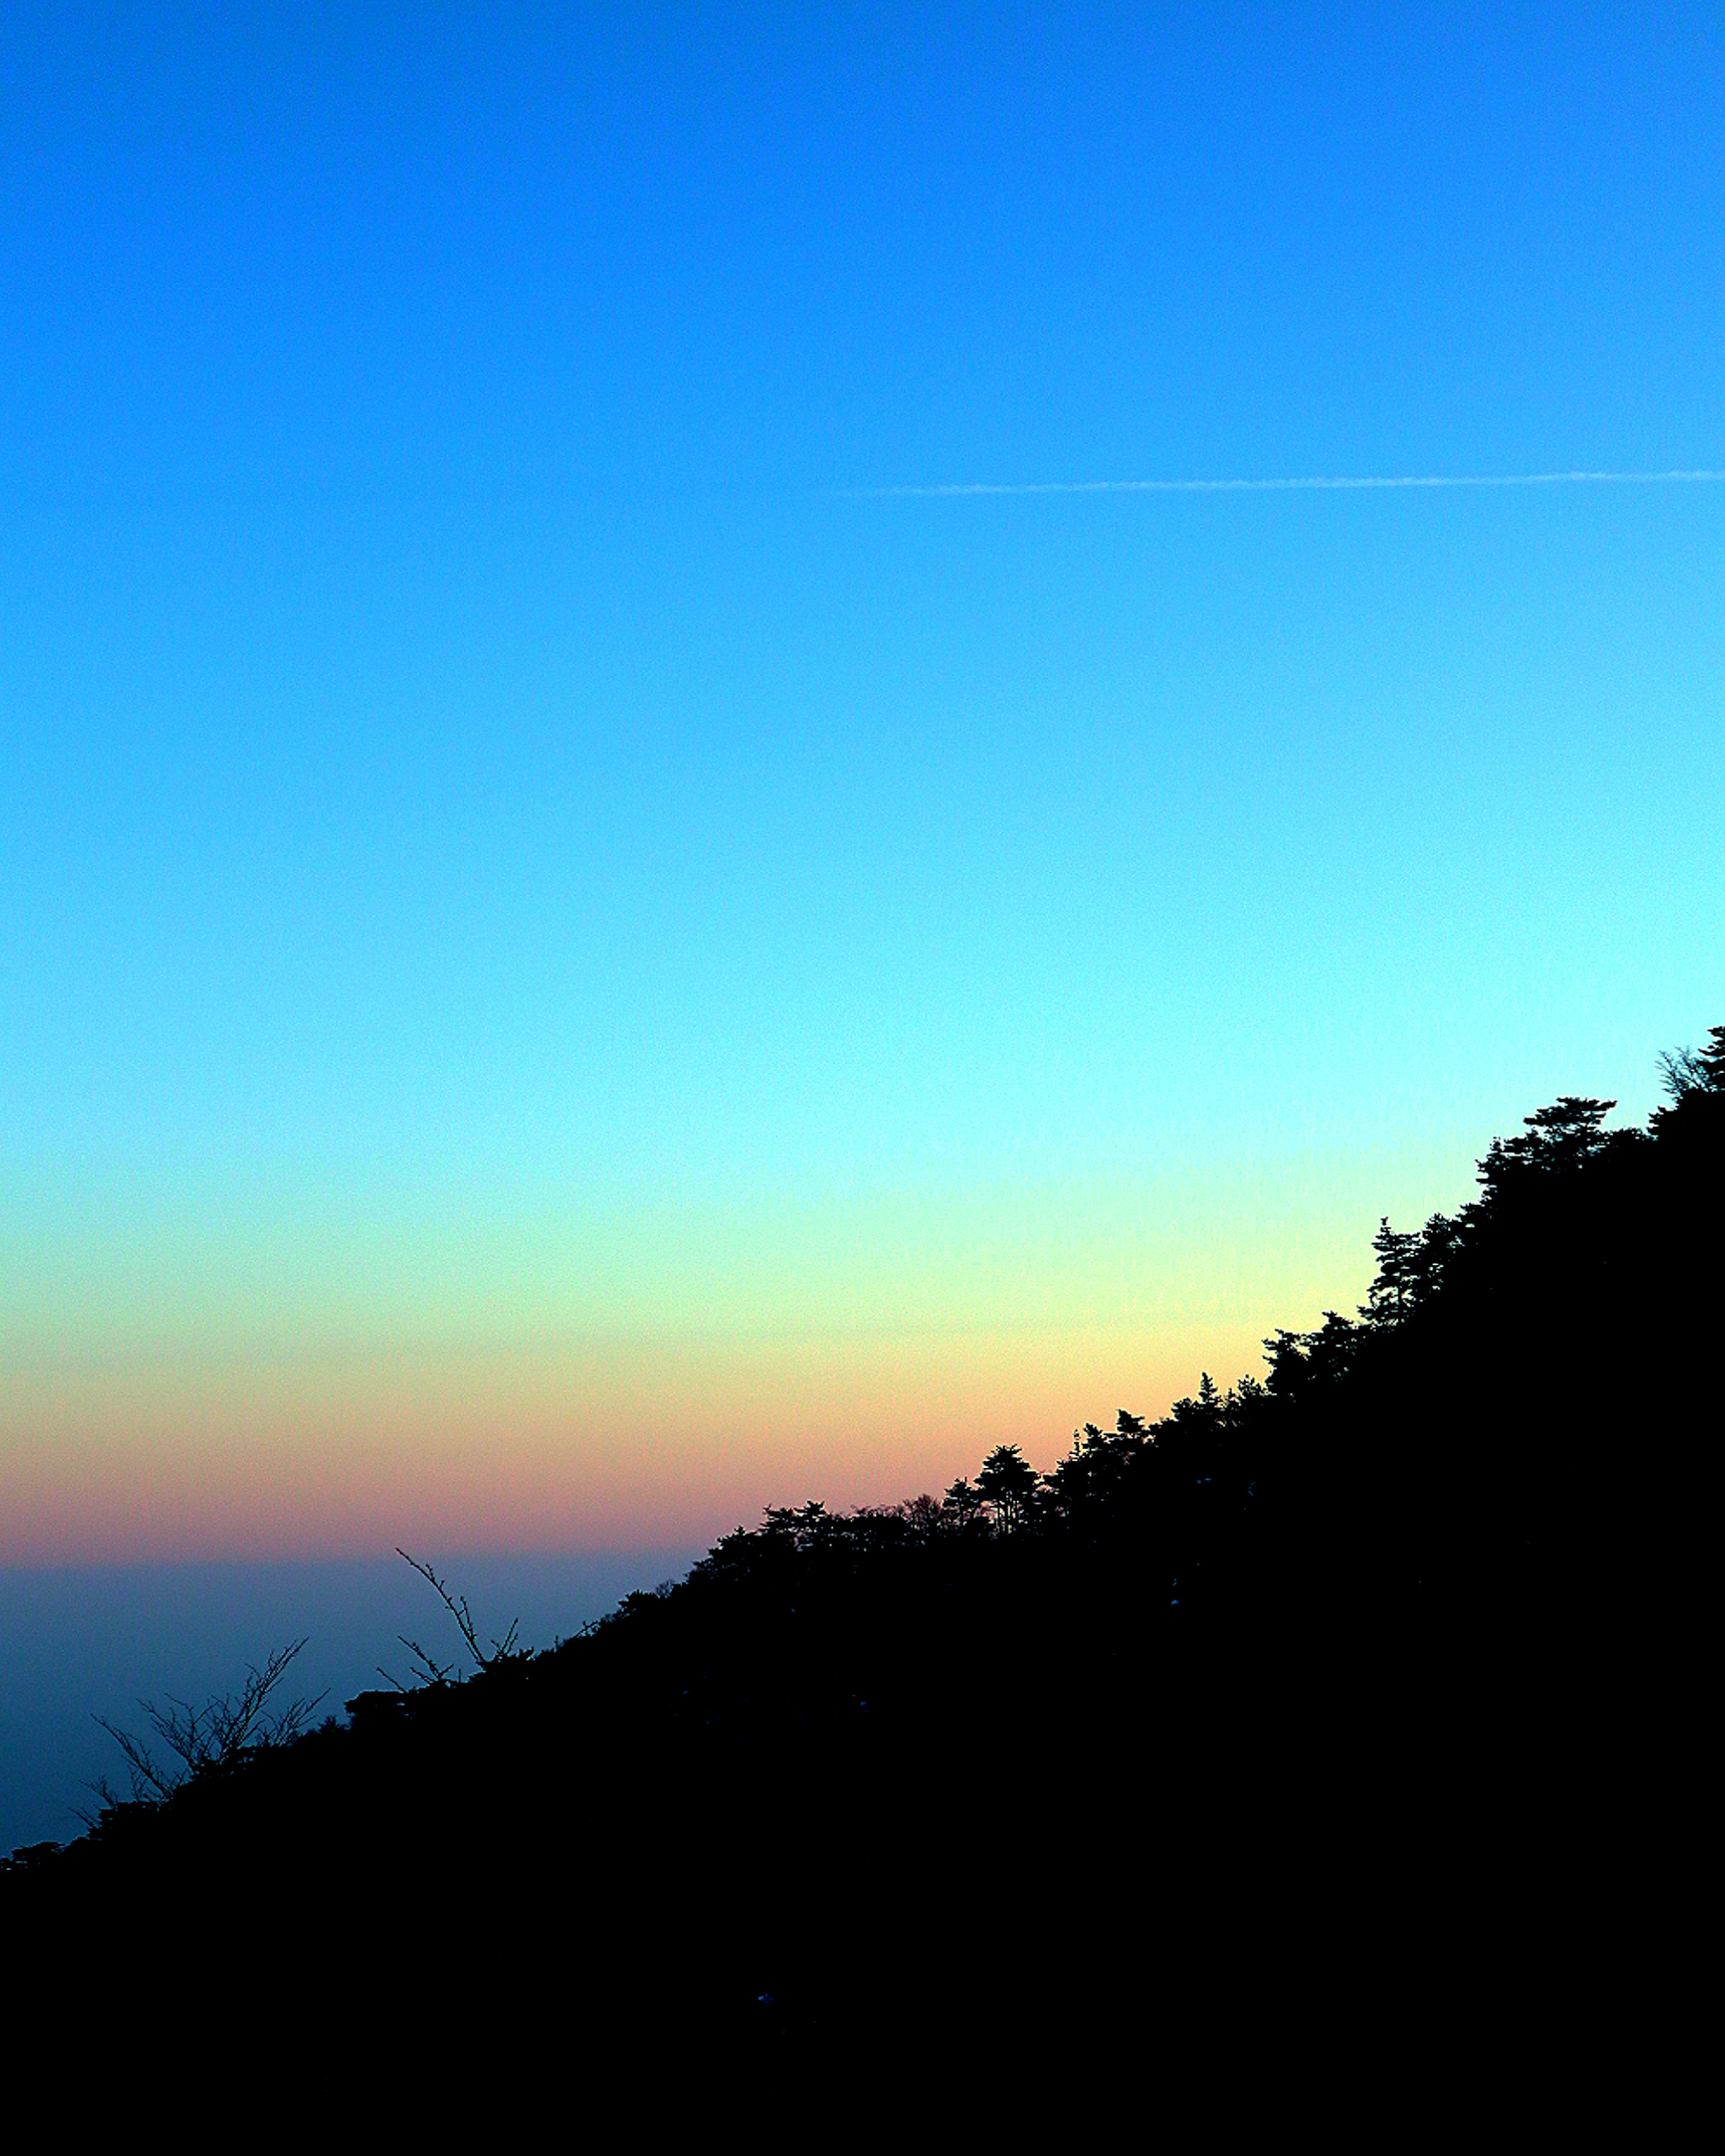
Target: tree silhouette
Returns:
[1009, 1482]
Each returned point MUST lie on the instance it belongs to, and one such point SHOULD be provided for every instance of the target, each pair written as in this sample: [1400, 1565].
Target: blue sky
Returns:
[519, 251]
[509, 855]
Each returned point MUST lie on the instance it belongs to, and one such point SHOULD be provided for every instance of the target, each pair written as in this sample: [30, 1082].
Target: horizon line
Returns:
[1306, 485]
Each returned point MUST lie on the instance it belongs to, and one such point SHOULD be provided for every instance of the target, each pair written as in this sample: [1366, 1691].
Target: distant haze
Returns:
[77, 1643]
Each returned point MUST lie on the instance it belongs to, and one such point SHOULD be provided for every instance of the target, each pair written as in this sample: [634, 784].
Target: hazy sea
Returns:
[77, 1642]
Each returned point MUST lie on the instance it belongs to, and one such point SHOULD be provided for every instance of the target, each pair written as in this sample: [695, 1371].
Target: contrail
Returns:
[1284, 485]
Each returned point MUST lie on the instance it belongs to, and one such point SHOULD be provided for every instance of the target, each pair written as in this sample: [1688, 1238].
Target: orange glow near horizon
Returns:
[651, 1444]
[204, 1384]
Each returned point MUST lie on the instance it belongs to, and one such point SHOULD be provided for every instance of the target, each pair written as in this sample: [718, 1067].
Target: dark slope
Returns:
[1280, 1730]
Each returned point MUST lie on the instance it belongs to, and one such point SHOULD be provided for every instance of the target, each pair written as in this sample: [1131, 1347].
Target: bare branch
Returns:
[429, 1672]
[205, 1739]
[502, 1650]
[1681, 1071]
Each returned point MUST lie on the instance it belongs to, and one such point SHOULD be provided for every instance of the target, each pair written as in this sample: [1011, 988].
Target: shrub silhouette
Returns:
[427, 1670]
[228, 1731]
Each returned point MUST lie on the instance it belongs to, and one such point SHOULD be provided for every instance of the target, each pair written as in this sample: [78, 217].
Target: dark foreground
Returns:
[1294, 1756]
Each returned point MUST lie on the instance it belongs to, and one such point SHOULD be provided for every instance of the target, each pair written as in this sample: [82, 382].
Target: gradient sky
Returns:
[566, 972]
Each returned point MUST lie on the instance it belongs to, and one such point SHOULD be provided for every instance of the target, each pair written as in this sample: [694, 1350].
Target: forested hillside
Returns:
[1310, 1674]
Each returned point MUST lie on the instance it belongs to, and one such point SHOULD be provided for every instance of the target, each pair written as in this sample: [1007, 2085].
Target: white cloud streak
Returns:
[1371, 482]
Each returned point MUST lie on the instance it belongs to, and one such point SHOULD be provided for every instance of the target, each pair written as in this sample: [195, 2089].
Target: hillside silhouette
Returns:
[1283, 1725]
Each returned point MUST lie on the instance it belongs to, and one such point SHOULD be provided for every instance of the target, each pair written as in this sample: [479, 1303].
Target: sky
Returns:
[573, 962]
